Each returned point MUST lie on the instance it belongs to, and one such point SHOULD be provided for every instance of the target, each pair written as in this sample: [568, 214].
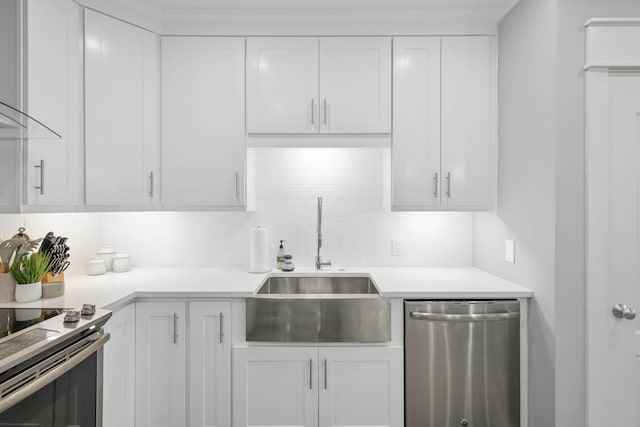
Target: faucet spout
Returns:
[320, 261]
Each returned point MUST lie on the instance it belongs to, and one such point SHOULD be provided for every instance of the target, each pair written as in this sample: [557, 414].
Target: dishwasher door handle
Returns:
[463, 317]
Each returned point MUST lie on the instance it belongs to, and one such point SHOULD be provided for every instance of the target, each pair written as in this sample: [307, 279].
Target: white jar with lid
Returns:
[107, 254]
[121, 263]
[96, 266]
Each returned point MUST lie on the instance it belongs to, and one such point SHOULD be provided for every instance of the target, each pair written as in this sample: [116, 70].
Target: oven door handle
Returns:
[23, 385]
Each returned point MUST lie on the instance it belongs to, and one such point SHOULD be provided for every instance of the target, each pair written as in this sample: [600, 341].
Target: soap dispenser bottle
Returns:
[280, 256]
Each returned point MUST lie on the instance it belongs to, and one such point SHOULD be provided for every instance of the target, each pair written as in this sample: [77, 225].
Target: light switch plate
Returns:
[510, 251]
[396, 247]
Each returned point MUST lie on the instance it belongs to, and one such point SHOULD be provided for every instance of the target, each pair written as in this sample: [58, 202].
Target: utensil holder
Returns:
[7, 287]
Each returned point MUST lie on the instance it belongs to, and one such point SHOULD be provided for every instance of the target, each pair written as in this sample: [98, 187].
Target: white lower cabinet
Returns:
[160, 364]
[209, 364]
[275, 386]
[318, 386]
[119, 369]
[361, 386]
[183, 364]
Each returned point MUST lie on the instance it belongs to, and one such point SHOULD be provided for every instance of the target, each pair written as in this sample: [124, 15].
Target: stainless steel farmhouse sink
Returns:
[318, 309]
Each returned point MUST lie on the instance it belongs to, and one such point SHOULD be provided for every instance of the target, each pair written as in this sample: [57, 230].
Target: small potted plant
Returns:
[28, 270]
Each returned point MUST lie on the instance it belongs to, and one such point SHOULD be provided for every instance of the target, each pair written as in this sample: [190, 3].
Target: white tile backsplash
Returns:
[356, 229]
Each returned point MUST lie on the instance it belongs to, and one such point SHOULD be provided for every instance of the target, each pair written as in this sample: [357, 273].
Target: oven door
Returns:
[62, 390]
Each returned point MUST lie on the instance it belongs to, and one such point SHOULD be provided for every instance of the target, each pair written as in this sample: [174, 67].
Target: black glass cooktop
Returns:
[13, 320]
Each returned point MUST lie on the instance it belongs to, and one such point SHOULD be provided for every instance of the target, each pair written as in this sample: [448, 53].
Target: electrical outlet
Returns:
[510, 251]
[396, 247]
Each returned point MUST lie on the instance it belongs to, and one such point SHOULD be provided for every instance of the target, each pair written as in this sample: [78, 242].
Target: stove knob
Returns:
[71, 316]
[88, 309]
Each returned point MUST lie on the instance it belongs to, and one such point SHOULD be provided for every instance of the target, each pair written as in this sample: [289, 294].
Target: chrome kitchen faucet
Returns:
[320, 261]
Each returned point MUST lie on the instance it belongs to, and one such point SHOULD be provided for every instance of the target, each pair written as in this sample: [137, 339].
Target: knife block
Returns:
[49, 277]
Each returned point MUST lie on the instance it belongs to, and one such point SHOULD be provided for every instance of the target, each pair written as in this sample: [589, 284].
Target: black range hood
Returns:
[14, 124]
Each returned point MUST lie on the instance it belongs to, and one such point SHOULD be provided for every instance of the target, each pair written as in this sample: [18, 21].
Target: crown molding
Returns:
[279, 18]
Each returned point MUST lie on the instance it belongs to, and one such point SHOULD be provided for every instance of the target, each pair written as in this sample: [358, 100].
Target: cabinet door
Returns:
[119, 369]
[276, 386]
[416, 123]
[468, 122]
[203, 131]
[282, 85]
[361, 386]
[121, 112]
[160, 364]
[210, 364]
[355, 85]
[54, 79]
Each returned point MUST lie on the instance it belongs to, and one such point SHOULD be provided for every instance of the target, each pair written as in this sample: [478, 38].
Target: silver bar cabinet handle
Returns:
[221, 333]
[313, 111]
[310, 374]
[448, 184]
[151, 184]
[325, 373]
[41, 186]
[325, 111]
[175, 328]
[435, 185]
[463, 317]
[237, 186]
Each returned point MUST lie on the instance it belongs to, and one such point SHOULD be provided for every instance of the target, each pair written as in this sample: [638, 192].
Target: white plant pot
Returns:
[29, 292]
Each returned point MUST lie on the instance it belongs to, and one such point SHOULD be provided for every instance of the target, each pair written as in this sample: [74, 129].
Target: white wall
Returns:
[526, 198]
[357, 226]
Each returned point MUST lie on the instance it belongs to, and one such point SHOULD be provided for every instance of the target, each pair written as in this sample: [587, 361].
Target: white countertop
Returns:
[113, 290]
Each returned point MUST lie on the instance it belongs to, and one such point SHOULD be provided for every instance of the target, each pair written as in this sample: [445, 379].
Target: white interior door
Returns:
[613, 255]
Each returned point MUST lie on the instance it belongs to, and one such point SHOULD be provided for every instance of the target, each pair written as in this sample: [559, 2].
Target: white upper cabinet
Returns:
[416, 122]
[443, 151]
[54, 81]
[355, 85]
[468, 122]
[327, 85]
[122, 108]
[282, 85]
[203, 132]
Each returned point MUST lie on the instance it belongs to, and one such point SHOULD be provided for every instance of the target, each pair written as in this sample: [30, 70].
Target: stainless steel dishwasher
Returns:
[462, 363]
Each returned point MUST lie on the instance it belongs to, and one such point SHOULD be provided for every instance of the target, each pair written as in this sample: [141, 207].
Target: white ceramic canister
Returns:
[96, 266]
[121, 263]
[107, 254]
